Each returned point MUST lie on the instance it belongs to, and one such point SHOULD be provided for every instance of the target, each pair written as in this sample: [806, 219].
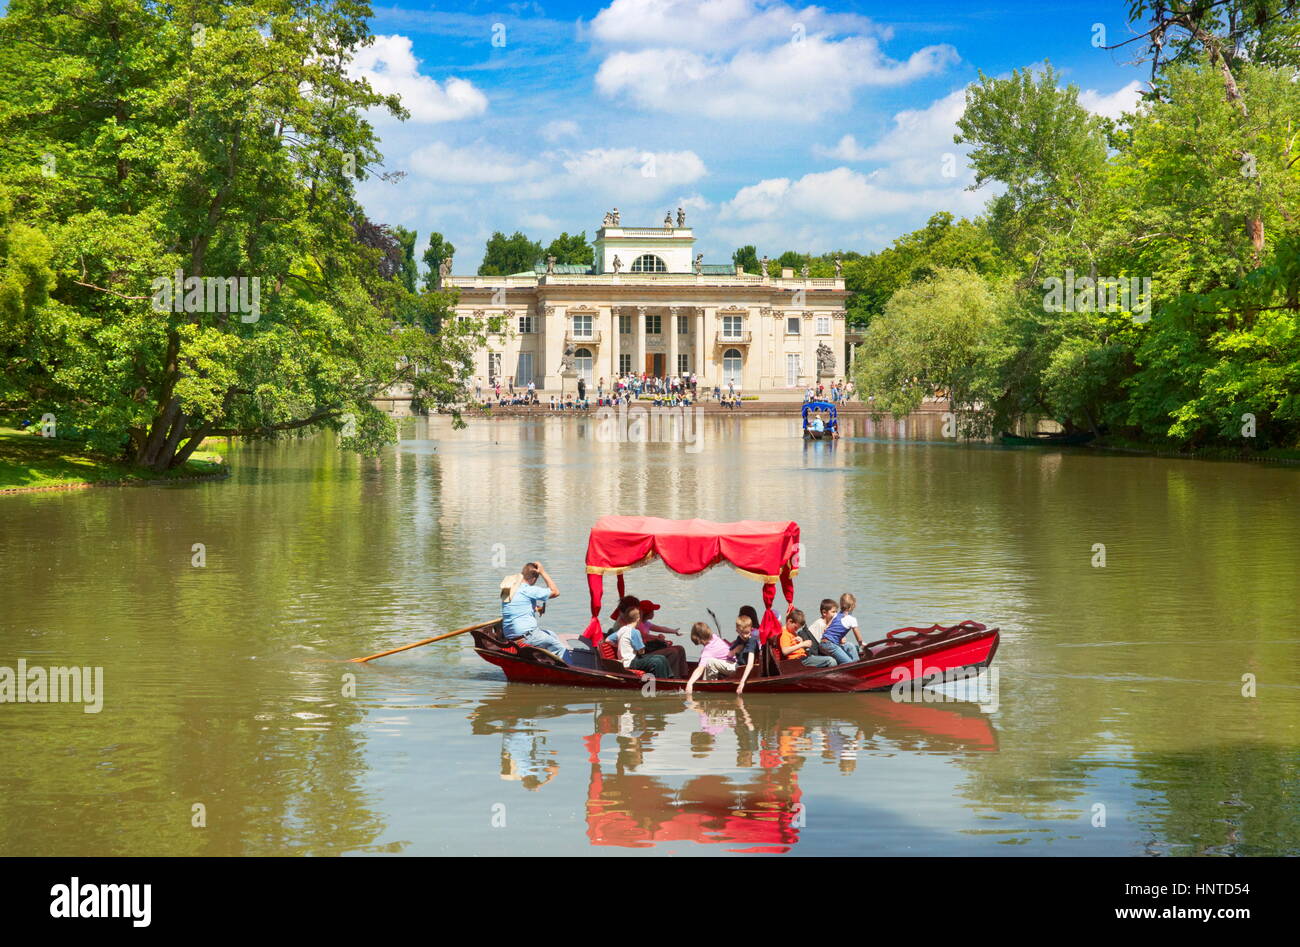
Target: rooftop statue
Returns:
[668, 221]
[681, 217]
[699, 263]
[839, 268]
[618, 264]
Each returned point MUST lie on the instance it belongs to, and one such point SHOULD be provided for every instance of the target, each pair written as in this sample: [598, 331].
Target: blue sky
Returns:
[779, 124]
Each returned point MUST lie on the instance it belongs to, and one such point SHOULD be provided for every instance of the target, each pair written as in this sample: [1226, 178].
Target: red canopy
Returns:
[764, 551]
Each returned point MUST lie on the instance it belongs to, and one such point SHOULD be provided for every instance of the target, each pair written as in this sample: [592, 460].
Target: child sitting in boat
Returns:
[715, 658]
[795, 646]
[744, 650]
[835, 638]
[631, 649]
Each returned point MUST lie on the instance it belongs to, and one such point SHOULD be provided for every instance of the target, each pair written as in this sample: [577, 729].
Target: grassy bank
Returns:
[29, 460]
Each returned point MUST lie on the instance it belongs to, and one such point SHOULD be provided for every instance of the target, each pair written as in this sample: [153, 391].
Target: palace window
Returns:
[823, 325]
[582, 327]
[683, 364]
[654, 325]
[525, 323]
[624, 325]
[648, 263]
[791, 325]
[731, 326]
[732, 364]
[683, 325]
[624, 363]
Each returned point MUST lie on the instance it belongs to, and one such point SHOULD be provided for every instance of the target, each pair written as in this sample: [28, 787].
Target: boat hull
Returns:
[897, 660]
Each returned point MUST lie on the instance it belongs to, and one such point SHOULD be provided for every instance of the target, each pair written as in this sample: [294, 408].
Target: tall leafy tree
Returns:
[439, 249]
[1046, 149]
[506, 255]
[409, 272]
[746, 258]
[148, 144]
[573, 249]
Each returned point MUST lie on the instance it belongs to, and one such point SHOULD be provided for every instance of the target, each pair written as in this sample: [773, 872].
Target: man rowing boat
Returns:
[520, 599]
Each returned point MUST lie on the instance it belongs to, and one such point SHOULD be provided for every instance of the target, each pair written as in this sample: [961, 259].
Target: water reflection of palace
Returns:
[716, 770]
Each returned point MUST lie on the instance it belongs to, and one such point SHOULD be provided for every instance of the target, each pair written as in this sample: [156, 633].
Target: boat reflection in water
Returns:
[713, 770]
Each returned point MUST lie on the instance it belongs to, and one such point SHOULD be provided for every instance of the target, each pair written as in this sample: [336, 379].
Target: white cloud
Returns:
[738, 58]
[846, 149]
[554, 131]
[842, 195]
[714, 25]
[632, 174]
[473, 164]
[1113, 105]
[800, 81]
[391, 68]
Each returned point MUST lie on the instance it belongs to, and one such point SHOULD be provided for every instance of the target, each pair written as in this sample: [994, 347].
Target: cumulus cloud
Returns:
[472, 164]
[391, 68]
[740, 58]
[1113, 105]
[714, 25]
[840, 195]
[846, 149]
[632, 173]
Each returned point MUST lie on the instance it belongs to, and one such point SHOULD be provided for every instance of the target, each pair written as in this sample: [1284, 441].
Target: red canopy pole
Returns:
[622, 591]
[769, 627]
[787, 585]
[596, 586]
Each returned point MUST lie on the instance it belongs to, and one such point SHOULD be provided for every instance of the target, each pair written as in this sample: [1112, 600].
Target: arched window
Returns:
[648, 263]
[731, 364]
[582, 361]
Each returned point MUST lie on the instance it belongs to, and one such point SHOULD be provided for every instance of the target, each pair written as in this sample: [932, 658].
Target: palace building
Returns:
[649, 304]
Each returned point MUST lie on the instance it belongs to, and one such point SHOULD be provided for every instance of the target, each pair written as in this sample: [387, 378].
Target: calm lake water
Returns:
[1120, 724]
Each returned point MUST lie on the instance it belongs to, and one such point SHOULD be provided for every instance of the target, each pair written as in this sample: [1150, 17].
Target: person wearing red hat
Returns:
[652, 634]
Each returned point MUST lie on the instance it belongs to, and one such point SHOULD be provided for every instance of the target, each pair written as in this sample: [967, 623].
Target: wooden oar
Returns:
[416, 644]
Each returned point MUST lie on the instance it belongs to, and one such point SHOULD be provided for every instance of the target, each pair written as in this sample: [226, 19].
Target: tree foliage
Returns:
[210, 140]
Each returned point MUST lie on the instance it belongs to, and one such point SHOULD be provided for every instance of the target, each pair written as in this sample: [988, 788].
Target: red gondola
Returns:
[767, 552]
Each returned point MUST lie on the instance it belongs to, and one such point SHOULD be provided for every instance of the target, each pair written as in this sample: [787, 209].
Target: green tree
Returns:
[1045, 148]
[506, 255]
[573, 250]
[746, 258]
[934, 337]
[220, 140]
[942, 242]
[439, 249]
[409, 272]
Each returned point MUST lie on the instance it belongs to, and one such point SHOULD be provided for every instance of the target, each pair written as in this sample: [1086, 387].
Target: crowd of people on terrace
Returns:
[638, 643]
[670, 391]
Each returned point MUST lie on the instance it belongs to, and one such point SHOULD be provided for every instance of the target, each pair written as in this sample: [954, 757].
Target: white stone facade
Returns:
[659, 312]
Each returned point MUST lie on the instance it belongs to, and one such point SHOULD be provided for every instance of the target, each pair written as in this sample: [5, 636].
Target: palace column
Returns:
[672, 341]
[808, 362]
[700, 349]
[638, 355]
[613, 344]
